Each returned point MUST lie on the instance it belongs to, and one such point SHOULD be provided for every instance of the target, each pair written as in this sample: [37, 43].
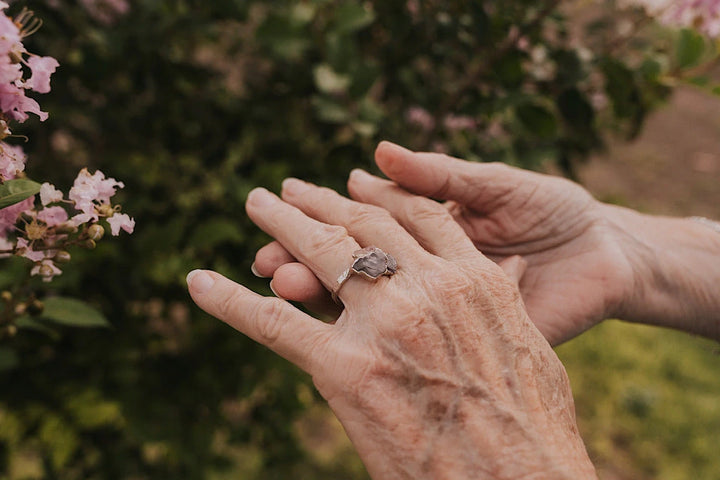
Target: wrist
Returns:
[675, 264]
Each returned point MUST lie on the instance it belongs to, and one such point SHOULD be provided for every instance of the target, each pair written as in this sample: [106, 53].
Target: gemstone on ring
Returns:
[370, 263]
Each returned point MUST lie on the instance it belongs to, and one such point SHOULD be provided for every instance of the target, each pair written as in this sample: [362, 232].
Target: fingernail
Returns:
[260, 197]
[253, 269]
[199, 281]
[359, 175]
[293, 186]
[274, 292]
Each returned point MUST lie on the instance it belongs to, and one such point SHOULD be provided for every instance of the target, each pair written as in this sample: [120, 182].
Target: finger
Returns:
[294, 281]
[269, 258]
[514, 267]
[269, 321]
[426, 220]
[323, 248]
[482, 186]
[368, 224]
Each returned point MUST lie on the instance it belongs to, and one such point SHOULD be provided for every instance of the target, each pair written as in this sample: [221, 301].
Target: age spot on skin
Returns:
[436, 410]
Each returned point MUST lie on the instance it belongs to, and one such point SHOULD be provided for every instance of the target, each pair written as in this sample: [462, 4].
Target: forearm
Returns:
[676, 265]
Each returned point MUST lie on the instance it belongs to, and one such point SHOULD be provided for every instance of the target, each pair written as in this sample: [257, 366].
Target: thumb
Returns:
[514, 267]
[440, 176]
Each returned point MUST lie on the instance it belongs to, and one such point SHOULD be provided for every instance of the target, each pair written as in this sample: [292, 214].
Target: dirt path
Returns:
[673, 168]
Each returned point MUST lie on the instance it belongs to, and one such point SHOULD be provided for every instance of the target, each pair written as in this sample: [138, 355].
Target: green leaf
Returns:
[29, 323]
[716, 90]
[651, 68]
[537, 119]
[72, 312]
[15, 191]
[690, 48]
[352, 17]
[8, 359]
[624, 92]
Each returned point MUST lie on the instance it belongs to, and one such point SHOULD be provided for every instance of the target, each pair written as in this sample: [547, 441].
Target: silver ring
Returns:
[370, 263]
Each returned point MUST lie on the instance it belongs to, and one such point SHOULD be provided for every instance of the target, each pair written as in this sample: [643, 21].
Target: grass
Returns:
[647, 400]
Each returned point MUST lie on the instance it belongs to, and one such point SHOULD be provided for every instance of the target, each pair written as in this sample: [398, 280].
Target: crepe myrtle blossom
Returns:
[91, 193]
[12, 161]
[43, 232]
[13, 55]
[106, 12]
[121, 221]
[704, 15]
[49, 194]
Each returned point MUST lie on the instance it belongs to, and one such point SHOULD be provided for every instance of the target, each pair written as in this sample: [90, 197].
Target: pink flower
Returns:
[42, 68]
[24, 249]
[9, 31]
[459, 122]
[49, 194]
[703, 15]
[121, 220]
[53, 216]
[420, 117]
[106, 11]
[15, 104]
[90, 190]
[12, 161]
[81, 218]
[9, 215]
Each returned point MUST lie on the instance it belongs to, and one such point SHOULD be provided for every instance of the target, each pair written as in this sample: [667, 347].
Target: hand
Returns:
[435, 372]
[572, 272]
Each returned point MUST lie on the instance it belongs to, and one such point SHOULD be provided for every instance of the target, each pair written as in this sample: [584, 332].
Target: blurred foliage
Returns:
[192, 103]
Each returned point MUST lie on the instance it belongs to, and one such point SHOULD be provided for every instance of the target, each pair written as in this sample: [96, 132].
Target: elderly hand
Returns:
[572, 273]
[435, 372]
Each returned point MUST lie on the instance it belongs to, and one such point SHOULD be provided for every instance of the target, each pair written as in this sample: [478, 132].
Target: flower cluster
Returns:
[42, 232]
[704, 15]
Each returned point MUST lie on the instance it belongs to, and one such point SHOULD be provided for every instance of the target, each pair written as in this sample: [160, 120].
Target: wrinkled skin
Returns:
[546, 232]
[435, 372]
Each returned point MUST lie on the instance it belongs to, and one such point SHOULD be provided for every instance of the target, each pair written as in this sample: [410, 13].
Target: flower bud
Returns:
[20, 308]
[6, 296]
[105, 210]
[46, 271]
[35, 307]
[11, 330]
[95, 232]
[66, 228]
[62, 256]
[89, 244]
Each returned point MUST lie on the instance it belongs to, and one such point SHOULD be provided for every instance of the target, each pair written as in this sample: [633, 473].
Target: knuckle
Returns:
[229, 304]
[326, 238]
[269, 320]
[451, 284]
[365, 214]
